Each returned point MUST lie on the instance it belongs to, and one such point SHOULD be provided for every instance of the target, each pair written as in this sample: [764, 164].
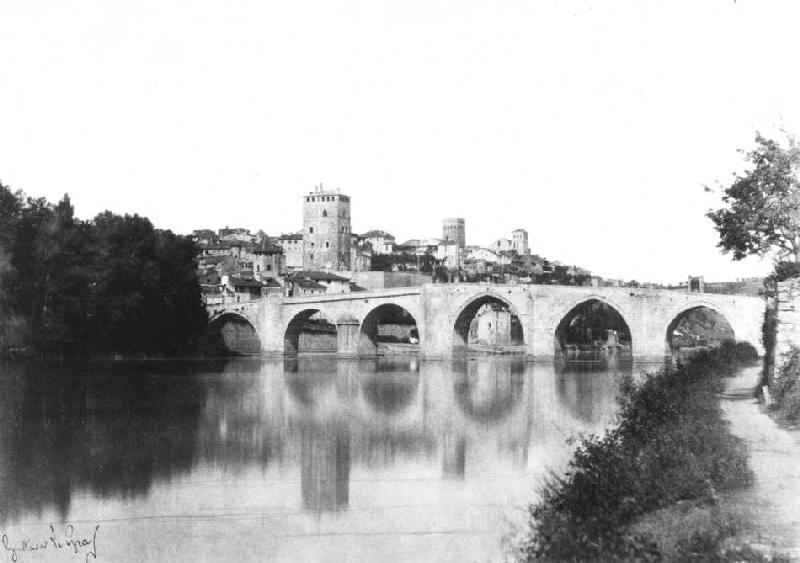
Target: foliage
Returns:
[769, 327]
[786, 391]
[670, 445]
[762, 205]
[114, 284]
[769, 335]
[400, 262]
[784, 270]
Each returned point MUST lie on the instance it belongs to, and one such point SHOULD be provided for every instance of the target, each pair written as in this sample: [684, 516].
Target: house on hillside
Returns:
[305, 282]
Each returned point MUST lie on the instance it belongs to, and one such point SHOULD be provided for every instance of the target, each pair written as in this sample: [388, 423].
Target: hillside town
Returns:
[325, 256]
[236, 265]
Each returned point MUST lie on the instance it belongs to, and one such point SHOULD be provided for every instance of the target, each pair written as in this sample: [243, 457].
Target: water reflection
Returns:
[582, 384]
[66, 432]
[117, 431]
[488, 391]
[325, 468]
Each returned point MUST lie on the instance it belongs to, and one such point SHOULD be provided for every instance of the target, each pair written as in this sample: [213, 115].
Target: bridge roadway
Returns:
[443, 312]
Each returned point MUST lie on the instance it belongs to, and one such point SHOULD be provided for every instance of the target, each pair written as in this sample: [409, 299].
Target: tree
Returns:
[762, 212]
[114, 284]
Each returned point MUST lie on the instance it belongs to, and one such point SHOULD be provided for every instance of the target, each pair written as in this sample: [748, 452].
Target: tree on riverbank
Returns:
[112, 284]
[762, 206]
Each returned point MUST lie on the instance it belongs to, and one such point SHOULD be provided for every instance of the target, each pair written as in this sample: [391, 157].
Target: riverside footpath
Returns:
[771, 507]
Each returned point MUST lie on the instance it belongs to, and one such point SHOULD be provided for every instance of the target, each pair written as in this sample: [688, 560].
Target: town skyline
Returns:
[589, 125]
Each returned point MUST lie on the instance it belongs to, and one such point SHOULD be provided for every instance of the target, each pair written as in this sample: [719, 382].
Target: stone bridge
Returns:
[443, 313]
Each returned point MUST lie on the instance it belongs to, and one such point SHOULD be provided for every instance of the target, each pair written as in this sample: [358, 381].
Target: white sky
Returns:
[593, 125]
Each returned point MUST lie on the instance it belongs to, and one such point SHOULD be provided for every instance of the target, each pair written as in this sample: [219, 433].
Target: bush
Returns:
[738, 353]
[671, 444]
[769, 333]
[786, 389]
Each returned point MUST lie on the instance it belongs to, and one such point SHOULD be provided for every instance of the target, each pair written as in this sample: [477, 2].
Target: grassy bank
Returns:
[647, 489]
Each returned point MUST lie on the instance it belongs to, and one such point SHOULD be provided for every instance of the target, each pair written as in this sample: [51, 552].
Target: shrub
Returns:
[738, 353]
[769, 332]
[670, 444]
[786, 389]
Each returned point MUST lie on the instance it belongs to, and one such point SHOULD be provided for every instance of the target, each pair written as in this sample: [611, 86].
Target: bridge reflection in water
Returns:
[385, 447]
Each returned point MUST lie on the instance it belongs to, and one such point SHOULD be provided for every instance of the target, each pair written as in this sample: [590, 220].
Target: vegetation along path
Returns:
[695, 469]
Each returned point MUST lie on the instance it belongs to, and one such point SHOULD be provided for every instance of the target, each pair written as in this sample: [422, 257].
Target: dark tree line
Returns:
[114, 284]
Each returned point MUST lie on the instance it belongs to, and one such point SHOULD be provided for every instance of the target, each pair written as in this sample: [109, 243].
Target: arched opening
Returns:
[231, 334]
[697, 328]
[487, 391]
[593, 327]
[488, 324]
[389, 329]
[309, 331]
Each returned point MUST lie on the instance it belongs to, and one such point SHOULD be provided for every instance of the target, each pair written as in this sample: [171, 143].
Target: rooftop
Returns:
[377, 233]
[316, 276]
[239, 282]
[291, 236]
[265, 247]
[309, 284]
[320, 190]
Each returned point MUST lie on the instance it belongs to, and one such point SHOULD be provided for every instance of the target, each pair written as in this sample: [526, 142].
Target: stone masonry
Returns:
[441, 311]
[788, 305]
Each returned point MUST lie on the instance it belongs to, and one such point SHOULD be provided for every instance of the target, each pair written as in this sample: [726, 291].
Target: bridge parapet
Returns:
[354, 296]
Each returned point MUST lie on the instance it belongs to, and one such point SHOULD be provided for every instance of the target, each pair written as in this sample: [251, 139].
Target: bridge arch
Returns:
[711, 326]
[592, 322]
[231, 333]
[502, 328]
[309, 331]
[388, 323]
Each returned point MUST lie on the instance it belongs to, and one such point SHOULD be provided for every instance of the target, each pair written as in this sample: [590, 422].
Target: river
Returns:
[303, 459]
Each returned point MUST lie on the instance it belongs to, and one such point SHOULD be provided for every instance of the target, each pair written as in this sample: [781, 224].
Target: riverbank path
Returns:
[772, 505]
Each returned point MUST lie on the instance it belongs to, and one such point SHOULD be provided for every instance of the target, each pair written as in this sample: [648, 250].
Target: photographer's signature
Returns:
[67, 541]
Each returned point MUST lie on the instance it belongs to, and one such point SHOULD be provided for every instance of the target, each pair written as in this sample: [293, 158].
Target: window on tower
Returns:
[311, 230]
[324, 212]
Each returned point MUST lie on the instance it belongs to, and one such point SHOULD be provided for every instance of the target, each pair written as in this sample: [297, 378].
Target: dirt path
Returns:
[772, 505]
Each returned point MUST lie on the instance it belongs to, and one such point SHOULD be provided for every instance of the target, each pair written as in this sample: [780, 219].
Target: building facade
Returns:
[380, 241]
[326, 230]
[292, 245]
[453, 229]
[502, 245]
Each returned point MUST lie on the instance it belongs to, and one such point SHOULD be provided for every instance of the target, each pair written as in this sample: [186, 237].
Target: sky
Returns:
[593, 125]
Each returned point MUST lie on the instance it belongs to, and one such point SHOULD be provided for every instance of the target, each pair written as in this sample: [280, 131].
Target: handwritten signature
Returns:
[67, 540]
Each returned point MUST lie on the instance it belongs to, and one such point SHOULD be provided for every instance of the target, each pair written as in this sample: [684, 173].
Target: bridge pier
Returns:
[347, 336]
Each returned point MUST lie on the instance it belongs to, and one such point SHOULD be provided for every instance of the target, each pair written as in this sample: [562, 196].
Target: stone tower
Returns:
[520, 241]
[326, 230]
[453, 229]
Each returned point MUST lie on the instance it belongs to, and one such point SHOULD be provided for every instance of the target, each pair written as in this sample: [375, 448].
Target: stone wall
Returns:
[386, 280]
[787, 303]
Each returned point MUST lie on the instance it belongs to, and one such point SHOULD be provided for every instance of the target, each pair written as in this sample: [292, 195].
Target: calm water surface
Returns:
[309, 459]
